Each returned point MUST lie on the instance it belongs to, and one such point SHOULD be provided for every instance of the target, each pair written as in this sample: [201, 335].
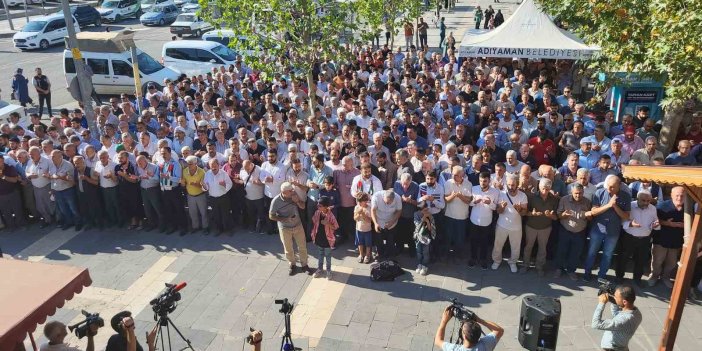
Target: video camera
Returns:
[461, 312]
[606, 287]
[81, 328]
[166, 300]
[286, 307]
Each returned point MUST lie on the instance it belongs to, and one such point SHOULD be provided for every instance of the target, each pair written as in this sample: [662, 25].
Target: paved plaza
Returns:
[234, 280]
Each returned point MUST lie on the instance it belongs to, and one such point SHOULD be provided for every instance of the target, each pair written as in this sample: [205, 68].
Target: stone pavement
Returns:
[233, 282]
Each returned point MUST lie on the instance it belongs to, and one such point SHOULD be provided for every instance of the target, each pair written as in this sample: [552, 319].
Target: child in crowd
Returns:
[424, 234]
[331, 192]
[364, 236]
[323, 227]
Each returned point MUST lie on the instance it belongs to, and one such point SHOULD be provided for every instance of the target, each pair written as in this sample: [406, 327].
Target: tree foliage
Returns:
[380, 15]
[660, 39]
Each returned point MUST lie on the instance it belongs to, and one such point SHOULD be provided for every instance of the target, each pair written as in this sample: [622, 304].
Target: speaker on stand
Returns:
[538, 323]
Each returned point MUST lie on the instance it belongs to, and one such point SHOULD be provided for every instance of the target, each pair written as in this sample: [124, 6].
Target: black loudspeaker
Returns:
[538, 323]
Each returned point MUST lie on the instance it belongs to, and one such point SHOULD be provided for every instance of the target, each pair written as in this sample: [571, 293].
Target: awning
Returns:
[31, 292]
[528, 33]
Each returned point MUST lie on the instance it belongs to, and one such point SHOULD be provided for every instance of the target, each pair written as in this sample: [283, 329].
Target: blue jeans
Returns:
[422, 253]
[67, 206]
[597, 240]
[455, 230]
[324, 253]
[570, 246]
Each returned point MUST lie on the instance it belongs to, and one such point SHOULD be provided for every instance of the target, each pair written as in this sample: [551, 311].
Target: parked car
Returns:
[191, 7]
[117, 10]
[223, 36]
[189, 24]
[181, 3]
[86, 15]
[160, 15]
[42, 32]
[147, 4]
[113, 73]
[196, 56]
[13, 3]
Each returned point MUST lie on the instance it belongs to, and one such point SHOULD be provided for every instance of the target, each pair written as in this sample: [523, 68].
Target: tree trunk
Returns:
[312, 92]
[672, 119]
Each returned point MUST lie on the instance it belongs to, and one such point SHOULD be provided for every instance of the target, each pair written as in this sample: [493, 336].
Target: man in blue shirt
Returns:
[471, 332]
[683, 156]
[170, 172]
[610, 207]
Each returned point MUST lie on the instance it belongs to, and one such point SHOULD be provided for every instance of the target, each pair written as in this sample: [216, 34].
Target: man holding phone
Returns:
[125, 339]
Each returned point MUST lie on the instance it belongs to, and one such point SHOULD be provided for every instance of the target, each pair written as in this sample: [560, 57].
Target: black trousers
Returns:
[44, 98]
[347, 226]
[111, 203]
[236, 199]
[386, 242]
[268, 225]
[173, 208]
[219, 215]
[405, 231]
[151, 198]
[256, 213]
[90, 204]
[480, 241]
[697, 276]
[636, 249]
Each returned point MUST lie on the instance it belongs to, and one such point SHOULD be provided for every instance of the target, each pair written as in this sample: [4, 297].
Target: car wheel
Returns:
[162, 22]
[197, 33]
[180, 35]
[44, 44]
[118, 18]
[98, 22]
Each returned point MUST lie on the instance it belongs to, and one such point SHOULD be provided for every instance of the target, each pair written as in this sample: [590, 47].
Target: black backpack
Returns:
[385, 271]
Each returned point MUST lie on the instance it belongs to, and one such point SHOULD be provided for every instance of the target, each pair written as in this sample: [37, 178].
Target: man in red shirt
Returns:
[543, 150]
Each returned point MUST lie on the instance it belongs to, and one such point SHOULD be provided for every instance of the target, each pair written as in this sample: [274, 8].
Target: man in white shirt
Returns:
[365, 182]
[253, 189]
[38, 173]
[511, 206]
[55, 332]
[458, 195]
[273, 176]
[386, 208]
[513, 165]
[636, 239]
[105, 168]
[217, 184]
[484, 203]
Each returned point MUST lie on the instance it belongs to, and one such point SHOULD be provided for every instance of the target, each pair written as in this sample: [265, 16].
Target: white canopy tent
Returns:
[528, 33]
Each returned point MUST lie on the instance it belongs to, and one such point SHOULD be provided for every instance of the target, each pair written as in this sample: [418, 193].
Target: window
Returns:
[54, 25]
[206, 56]
[69, 65]
[182, 54]
[99, 66]
[121, 68]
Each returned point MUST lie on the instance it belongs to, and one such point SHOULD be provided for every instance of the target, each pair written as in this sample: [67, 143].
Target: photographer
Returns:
[55, 332]
[470, 329]
[255, 339]
[625, 318]
[125, 339]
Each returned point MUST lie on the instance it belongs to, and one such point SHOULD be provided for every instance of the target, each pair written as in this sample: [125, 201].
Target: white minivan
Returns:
[109, 58]
[194, 57]
[42, 32]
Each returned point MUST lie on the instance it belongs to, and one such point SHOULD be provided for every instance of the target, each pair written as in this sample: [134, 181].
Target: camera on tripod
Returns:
[461, 312]
[166, 300]
[286, 307]
[606, 287]
[82, 328]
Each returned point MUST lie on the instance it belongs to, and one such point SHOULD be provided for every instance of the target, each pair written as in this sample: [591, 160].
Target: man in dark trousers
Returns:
[43, 86]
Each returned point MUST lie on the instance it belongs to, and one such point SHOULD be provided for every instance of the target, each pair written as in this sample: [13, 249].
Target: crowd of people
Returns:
[392, 151]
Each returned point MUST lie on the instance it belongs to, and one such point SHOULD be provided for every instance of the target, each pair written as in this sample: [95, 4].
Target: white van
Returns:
[117, 10]
[108, 56]
[42, 32]
[196, 56]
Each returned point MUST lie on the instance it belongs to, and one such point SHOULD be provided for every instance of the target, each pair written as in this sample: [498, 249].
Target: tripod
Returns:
[286, 344]
[165, 321]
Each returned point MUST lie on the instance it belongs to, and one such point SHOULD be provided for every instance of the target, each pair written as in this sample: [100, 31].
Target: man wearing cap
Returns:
[588, 158]
[180, 139]
[630, 141]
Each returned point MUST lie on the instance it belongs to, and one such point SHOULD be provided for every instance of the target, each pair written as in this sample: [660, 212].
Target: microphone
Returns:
[180, 286]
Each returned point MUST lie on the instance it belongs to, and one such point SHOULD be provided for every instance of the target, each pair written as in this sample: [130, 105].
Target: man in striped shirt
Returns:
[626, 318]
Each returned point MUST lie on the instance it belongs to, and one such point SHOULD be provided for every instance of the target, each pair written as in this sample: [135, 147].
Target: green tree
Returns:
[286, 33]
[659, 39]
[377, 16]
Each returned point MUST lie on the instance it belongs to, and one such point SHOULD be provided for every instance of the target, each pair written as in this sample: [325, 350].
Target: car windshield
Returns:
[147, 64]
[185, 18]
[224, 52]
[34, 26]
[155, 9]
[148, 2]
[110, 4]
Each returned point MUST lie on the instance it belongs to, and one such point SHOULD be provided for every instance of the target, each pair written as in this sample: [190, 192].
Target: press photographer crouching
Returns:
[125, 339]
[469, 338]
[626, 318]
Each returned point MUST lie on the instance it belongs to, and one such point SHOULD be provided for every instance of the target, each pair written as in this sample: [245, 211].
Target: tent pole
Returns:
[31, 338]
[683, 277]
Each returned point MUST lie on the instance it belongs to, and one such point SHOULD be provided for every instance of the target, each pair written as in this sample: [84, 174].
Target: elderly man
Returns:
[610, 206]
[513, 165]
[683, 156]
[217, 184]
[541, 213]
[484, 203]
[636, 239]
[62, 185]
[298, 178]
[408, 191]
[386, 208]
[511, 206]
[273, 173]
[37, 172]
[458, 195]
[646, 155]
[571, 235]
[193, 177]
[150, 195]
[105, 168]
[10, 200]
[284, 210]
[668, 242]
[55, 332]
[343, 181]
[253, 188]
[170, 174]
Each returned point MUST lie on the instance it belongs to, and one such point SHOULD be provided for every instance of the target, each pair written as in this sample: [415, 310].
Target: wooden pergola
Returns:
[691, 179]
